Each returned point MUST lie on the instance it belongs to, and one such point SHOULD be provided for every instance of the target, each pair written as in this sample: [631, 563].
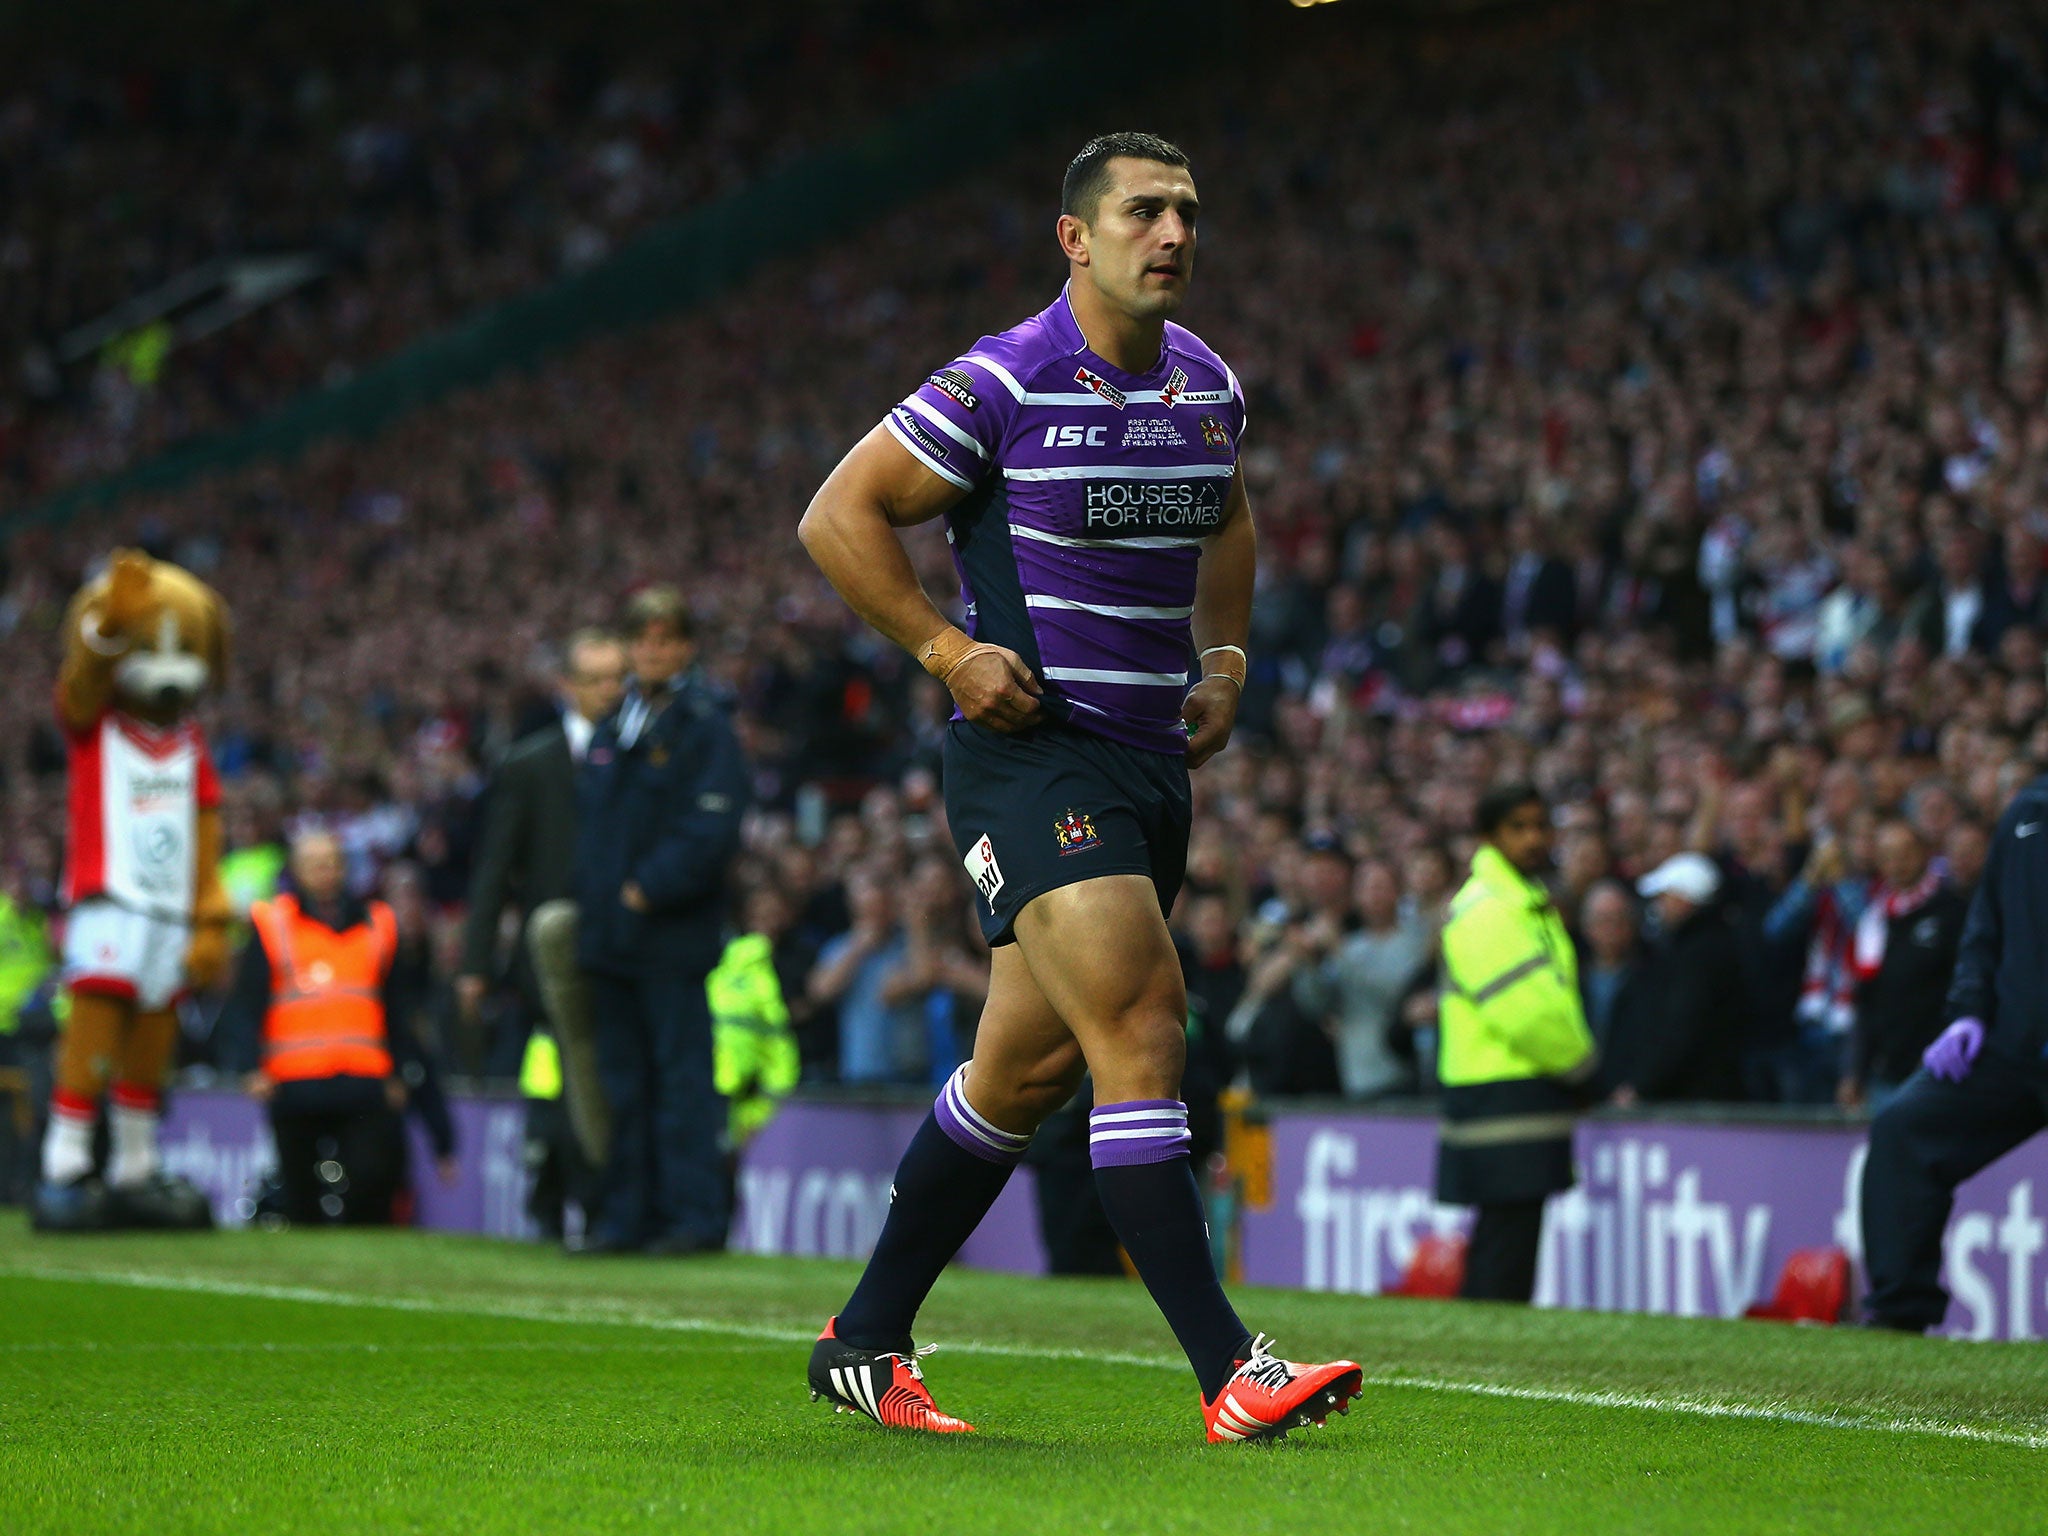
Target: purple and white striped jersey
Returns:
[1090, 491]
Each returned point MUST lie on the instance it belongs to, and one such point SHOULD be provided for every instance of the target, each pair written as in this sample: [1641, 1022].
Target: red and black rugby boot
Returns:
[1267, 1396]
[886, 1386]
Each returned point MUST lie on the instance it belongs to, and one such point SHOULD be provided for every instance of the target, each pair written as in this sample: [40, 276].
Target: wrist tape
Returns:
[943, 654]
[1224, 661]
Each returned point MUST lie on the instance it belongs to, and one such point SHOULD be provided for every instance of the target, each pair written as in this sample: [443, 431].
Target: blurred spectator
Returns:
[254, 860]
[1756, 828]
[660, 794]
[1360, 986]
[1953, 616]
[1905, 953]
[1687, 1045]
[755, 1049]
[1965, 851]
[943, 972]
[26, 954]
[770, 910]
[529, 840]
[1207, 940]
[28, 961]
[1613, 965]
[1824, 905]
[881, 1040]
[318, 1021]
[1282, 1050]
[1538, 603]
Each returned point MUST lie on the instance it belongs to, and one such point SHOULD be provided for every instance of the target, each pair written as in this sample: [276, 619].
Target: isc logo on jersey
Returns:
[1075, 437]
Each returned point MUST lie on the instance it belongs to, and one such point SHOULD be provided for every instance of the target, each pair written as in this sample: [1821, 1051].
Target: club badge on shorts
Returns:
[1075, 832]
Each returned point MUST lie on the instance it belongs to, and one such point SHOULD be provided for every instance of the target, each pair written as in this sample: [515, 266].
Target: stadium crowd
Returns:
[417, 184]
[1660, 424]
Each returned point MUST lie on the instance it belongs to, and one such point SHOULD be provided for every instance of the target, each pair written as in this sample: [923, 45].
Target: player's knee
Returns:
[1021, 1100]
[1150, 1039]
[1032, 1104]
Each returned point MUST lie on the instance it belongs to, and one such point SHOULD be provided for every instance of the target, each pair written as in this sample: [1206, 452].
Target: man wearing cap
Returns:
[1982, 1087]
[1688, 1043]
[1516, 1059]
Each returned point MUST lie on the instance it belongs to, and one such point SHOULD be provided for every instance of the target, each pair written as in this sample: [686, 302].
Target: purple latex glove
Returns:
[1951, 1055]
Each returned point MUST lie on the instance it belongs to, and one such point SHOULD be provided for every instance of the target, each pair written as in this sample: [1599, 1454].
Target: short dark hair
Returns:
[657, 604]
[1502, 801]
[1088, 172]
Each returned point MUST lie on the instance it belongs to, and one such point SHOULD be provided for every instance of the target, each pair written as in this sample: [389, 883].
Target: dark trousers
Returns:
[555, 1159]
[664, 1178]
[338, 1164]
[1500, 1256]
[1928, 1140]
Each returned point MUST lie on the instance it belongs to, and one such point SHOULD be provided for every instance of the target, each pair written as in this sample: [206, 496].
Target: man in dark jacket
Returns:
[1614, 970]
[1983, 1084]
[659, 797]
[529, 842]
[1538, 596]
[1904, 952]
[527, 862]
[1687, 1043]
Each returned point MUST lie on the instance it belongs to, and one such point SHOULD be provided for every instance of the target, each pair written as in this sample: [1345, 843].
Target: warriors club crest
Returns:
[1074, 832]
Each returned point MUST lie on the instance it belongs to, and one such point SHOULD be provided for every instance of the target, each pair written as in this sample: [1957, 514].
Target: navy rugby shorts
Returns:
[1053, 806]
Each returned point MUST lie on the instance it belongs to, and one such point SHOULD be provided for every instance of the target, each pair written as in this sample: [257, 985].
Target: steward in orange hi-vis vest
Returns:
[319, 1025]
[326, 1015]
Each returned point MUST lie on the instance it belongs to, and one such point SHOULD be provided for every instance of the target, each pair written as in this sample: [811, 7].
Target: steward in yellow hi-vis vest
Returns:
[1514, 1054]
[756, 1054]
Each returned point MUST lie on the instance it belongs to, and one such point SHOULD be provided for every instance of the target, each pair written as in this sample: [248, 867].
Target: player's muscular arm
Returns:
[850, 531]
[1222, 617]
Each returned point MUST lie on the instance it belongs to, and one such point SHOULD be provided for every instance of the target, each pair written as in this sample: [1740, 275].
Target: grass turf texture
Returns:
[407, 1382]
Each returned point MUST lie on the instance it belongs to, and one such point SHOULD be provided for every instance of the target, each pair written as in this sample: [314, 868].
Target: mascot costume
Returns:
[146, 919]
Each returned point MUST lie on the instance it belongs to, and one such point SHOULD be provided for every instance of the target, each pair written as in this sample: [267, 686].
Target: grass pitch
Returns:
[397, 1381]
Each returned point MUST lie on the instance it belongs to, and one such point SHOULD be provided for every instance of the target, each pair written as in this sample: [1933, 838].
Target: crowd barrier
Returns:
[1691, 1215]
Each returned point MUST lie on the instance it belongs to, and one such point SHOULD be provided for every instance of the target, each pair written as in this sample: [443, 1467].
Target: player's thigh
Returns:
[1100, 953]
[1034, 811]
[1026, 1063]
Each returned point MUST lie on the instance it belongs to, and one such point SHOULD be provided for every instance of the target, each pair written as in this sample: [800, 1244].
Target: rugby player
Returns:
[1085, 463]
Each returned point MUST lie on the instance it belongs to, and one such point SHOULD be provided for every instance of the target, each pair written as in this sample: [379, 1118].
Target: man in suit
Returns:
[527, 862]
[529, 841]
[1538, 596]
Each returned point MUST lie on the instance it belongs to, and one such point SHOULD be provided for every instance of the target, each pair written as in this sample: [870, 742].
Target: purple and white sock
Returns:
[969, 1131]
[1137, 1131]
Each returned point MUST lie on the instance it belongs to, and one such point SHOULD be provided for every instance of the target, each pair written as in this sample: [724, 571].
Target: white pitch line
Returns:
[1696, 1407]
[339, 1346]
[1712, 1408]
